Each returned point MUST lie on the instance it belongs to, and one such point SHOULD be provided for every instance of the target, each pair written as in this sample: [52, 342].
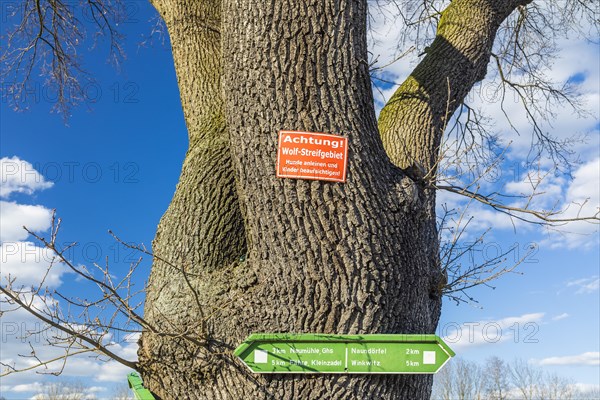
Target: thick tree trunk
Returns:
[328, 257]
[282, 255]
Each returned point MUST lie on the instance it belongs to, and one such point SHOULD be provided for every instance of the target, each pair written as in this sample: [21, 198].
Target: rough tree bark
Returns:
[262, 254]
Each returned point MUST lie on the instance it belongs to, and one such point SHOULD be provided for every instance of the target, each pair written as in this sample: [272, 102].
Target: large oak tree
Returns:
[273, 255]
[241, 251]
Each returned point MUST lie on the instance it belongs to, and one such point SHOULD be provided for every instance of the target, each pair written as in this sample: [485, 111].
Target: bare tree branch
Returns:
[519, 212]
[47, 40]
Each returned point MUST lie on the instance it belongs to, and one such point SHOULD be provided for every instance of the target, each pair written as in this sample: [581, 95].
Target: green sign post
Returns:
[344, 354]
[139, 391]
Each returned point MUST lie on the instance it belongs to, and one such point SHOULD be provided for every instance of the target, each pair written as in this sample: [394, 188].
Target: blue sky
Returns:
[116, 164]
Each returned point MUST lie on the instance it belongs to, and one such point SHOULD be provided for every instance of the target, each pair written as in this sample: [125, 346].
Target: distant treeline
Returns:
[496, 379]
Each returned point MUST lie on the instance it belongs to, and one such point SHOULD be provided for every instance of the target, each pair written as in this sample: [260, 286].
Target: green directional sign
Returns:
[139, 391]
[344, 354]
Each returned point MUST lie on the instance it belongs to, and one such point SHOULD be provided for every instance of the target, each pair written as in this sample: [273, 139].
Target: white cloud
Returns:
[18, 176]
[62, 389]
[586, 388]
[560, 317]
[29, 387]
[572, 199]
[102, 372]
[585, 285]
[96, 389]
[539, 190]
[480, 218]
[582, 198]
[112, 371]
[588, 358]
[486, 332]
[28, 263]
[14, 216]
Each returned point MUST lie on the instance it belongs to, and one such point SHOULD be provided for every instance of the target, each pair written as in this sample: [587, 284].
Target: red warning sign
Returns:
[307, 155]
